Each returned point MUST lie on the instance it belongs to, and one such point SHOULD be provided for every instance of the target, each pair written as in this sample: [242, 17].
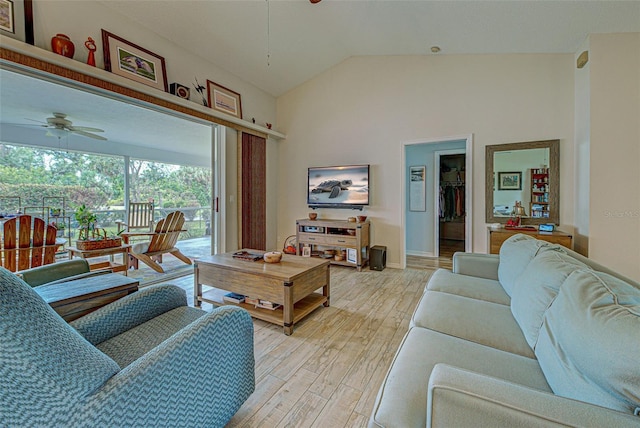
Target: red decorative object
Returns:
[62, 45]
[91, 45]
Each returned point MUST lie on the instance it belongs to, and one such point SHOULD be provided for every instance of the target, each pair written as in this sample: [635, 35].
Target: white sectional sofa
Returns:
[537, 336]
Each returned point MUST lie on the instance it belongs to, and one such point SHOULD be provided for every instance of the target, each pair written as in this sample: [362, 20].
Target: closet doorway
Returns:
[451, 202]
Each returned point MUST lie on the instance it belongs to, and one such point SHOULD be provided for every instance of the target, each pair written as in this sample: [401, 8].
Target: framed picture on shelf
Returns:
[224, 99]
[306, 251]
[134, 62]
[510, 181]
[16, 20]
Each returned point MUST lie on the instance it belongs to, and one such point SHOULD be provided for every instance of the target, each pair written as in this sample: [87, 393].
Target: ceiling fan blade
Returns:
[45, 124]
[85, 128]
[88, 134]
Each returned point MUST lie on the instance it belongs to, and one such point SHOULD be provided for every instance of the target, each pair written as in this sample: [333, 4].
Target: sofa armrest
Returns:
[475, 264]
[462, 398]
[129, 311]
[46, 274]
[211, 359]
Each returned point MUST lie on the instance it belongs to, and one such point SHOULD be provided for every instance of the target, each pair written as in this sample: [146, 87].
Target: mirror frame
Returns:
[554, 179]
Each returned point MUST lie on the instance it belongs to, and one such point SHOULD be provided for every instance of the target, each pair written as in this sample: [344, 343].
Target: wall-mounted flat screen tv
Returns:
[338, 186]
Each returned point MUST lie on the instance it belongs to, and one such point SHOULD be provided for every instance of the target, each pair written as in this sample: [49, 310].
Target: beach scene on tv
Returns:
[347, 185]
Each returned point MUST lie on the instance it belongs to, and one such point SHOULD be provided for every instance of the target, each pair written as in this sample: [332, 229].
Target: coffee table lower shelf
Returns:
[301, 308]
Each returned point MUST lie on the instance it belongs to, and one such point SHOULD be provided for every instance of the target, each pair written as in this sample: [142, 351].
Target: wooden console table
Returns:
[498, 236]
[76, 298]
[335, 234]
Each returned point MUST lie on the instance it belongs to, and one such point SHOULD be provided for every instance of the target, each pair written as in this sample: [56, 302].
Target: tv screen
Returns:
[338, 186]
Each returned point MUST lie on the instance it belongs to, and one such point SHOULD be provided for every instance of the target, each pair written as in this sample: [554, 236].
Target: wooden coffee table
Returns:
[291, 283]
[73, 299]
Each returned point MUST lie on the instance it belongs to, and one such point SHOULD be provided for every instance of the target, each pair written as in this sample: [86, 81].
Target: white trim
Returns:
[468, 190]
[421, 254]
[218, 169]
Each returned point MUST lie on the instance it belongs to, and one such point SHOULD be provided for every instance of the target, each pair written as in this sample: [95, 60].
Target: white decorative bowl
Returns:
[272, 257]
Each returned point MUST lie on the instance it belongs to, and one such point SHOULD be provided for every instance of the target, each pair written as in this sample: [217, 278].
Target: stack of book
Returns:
[233, 298]
[267, 304]
[245, 255]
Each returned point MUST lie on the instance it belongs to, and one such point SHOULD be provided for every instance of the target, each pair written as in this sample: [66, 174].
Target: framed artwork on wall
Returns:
[134, 62]
[16, 20]
[417, 188]
[224, 99]
[510, 181]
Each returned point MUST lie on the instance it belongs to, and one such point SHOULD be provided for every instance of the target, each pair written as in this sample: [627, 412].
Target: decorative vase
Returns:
[90, 44]
[62, 45]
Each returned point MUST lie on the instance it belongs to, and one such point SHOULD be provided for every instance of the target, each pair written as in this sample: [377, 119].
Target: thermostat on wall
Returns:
[549, 227]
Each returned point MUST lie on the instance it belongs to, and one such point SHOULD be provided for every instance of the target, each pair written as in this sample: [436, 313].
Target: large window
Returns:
[174, 187]
[35, 177]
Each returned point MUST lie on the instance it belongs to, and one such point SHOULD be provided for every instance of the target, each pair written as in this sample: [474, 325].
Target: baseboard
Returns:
[420, 254]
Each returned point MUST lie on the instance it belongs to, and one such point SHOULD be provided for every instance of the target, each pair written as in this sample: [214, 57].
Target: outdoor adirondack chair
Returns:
[163, 241]
[140, 218]
[25, 246]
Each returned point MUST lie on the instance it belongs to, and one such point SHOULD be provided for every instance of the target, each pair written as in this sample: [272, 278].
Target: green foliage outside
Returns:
[98, 182]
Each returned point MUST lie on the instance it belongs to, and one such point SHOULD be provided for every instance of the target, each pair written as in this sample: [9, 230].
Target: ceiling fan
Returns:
[59, 126]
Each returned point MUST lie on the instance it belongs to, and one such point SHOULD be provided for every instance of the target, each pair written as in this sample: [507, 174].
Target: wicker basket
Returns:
[98, 244]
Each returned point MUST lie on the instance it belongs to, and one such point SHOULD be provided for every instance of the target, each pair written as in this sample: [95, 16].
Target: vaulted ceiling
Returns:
[279, 44]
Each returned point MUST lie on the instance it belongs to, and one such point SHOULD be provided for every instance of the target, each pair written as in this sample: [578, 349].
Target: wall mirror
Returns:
[527, 172]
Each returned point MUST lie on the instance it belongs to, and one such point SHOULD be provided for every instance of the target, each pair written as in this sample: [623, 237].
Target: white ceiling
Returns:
[305, 39]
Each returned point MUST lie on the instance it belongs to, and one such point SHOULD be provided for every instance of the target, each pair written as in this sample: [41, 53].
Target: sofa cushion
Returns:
[537, 287]
[402, 399]
[485, 323]
[134, 343]
[445, 281]
[589, 343]
[515, 254]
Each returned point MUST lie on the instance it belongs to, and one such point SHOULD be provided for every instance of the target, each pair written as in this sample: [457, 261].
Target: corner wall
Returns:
[582, 154]
[614, 206]
[364, 109]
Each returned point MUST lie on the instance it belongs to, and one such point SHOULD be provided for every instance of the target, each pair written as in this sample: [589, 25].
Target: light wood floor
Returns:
[447, 248]
[327, 373]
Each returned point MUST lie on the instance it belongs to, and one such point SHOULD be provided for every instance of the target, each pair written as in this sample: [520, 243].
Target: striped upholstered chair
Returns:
[146, 360]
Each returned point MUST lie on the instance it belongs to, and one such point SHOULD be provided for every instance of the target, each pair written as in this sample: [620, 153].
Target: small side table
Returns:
[76, 298]
[115, 267]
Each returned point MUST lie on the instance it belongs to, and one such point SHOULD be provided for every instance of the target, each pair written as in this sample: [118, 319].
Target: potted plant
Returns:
[60, 227]
[87, 221]
[91, 237]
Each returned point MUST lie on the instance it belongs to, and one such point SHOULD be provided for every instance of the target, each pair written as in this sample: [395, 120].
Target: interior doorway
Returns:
[421, 222]
[451, 225]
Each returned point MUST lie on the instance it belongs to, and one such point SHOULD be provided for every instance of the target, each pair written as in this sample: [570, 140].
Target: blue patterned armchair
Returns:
[146, 360]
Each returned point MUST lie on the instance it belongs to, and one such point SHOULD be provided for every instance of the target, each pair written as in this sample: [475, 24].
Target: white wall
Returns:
[362, 110]
[614, 226]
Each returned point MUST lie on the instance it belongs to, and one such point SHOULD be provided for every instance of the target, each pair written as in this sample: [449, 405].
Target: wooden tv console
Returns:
[334, 234]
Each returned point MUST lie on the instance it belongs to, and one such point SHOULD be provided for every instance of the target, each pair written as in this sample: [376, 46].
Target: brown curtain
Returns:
[253, 192]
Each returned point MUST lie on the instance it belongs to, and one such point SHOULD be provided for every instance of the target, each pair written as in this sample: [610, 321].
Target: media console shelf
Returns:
[335, 234]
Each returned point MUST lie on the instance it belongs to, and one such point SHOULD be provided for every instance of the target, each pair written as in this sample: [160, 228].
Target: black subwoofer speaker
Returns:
[378, 257]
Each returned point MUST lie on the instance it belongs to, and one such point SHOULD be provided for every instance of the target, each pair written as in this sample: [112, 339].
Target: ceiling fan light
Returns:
[57, 132]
